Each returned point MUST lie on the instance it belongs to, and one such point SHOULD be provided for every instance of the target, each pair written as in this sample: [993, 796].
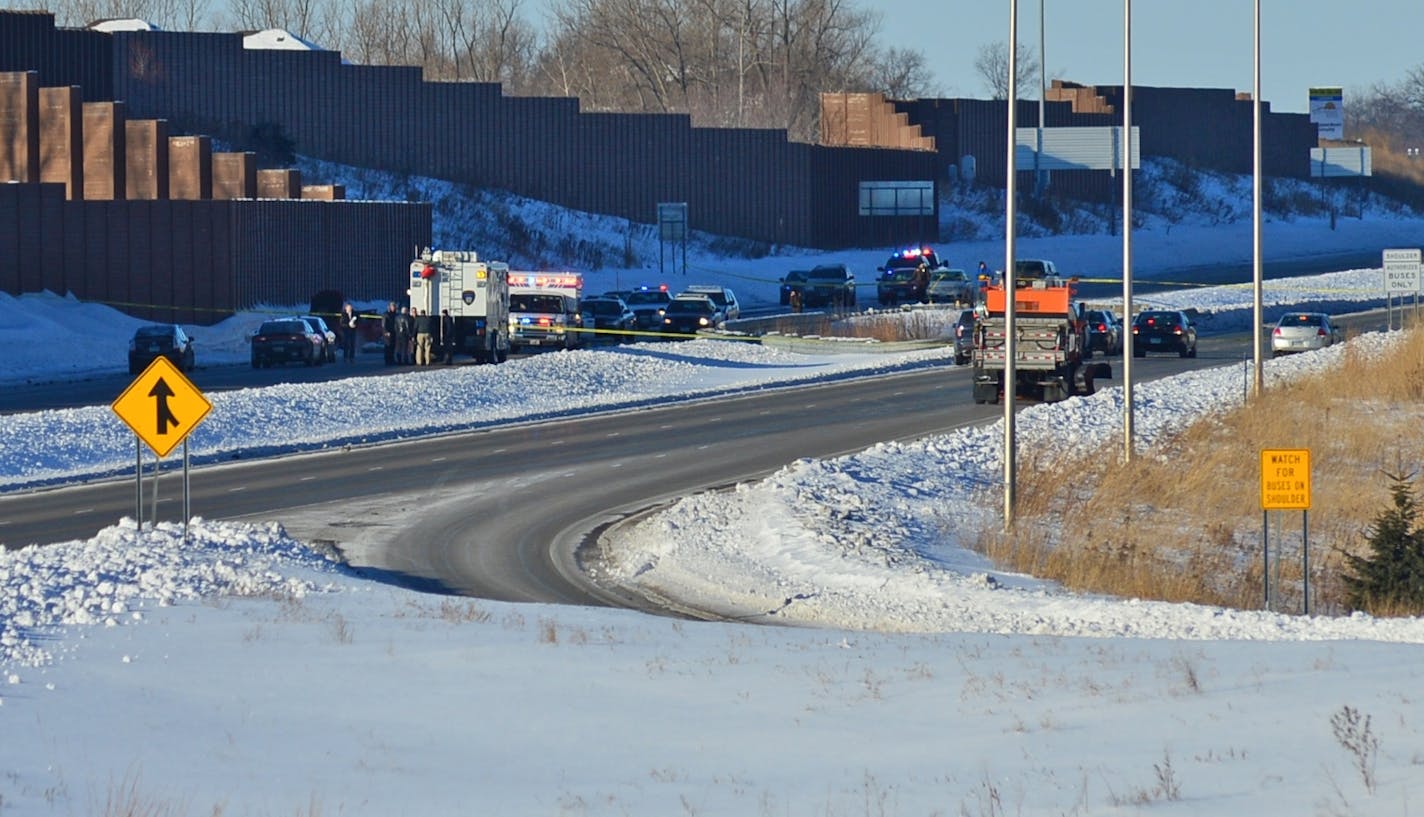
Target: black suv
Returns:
[829, 285]
[1160, 330]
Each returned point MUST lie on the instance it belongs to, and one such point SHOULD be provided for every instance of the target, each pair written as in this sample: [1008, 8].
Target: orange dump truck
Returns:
[1050, 342]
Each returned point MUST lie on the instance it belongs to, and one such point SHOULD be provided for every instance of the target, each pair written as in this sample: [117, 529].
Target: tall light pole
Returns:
[1127, 343]
[1258, 315]
[1039, 180]
[1010, 347]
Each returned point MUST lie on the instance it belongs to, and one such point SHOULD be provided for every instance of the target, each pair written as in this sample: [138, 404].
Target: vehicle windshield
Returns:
[154, 332]
[949, 275]
[900, 274]
[283, 328]
[718, 298]
[606, 307]
[1302, 320]
[536, 303]
[829, 274]
[1030, 269]
[647, 298]
[1097, 316]
[689, 307]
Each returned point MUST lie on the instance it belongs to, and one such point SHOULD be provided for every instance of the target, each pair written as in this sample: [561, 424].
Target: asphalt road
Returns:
[500, 513]
[103, 389]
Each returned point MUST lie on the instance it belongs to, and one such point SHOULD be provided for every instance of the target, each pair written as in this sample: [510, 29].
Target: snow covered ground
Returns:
[243, 673]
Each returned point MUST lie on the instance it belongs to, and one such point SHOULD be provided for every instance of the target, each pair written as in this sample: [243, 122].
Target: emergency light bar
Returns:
[547, 280]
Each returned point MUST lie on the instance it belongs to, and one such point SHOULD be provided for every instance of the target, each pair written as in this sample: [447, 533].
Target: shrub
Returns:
[1390, 576]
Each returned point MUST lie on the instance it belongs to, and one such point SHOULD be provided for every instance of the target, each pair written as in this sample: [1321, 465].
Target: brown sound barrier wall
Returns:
[199, 261]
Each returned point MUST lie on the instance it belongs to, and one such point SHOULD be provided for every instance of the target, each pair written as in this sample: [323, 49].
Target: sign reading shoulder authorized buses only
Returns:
[162, 406]
[1285, 479]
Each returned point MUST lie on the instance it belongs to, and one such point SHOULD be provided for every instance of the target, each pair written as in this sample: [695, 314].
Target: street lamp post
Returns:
[1258, 315]
[1126, 141]
[1011, 210]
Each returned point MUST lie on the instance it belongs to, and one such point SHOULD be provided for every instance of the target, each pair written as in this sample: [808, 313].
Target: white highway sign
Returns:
[1401, 271]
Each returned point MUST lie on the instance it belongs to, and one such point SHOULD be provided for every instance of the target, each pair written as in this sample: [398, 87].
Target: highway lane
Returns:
[103, 388]
[500, 513]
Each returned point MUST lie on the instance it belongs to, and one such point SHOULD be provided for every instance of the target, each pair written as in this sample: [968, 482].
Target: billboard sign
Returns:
[1327, 111]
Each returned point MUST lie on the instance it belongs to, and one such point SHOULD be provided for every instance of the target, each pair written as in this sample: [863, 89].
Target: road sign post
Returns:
[1285, 486]
[1401, 275]
[162, 407]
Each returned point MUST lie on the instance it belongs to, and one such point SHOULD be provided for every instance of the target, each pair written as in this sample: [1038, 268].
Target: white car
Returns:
[1304, 332]
[724, 298]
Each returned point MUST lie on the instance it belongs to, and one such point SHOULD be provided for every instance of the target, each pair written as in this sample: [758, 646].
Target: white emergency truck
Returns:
[544, 310]
[475, 292]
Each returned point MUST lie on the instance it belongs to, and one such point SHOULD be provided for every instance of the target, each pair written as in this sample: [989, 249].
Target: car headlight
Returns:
[703, 321]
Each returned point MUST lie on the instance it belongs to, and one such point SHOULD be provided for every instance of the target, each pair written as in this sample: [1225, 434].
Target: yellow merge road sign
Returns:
[162, 406]
[1285, 479]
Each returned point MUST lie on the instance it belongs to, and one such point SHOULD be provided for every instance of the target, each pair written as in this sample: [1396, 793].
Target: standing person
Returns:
[424, 336]
[403, 336]
[447, 336]
[388, 331]
[348, 333]
[920, 284]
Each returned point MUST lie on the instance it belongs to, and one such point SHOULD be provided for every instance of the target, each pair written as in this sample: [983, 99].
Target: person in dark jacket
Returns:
[447, 337]
[920, 284]
[347, 325]
[425, 326]
[388, 330]
[404, 336]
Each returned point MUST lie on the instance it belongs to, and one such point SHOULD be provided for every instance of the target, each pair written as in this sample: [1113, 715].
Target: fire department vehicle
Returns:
[544, 309]
[475, 292]
[1050, 345]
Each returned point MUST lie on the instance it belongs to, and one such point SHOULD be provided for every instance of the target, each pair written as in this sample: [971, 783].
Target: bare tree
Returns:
[174, 15]
[750, 63]
[992, 65]
[308, 19]
[903, 74]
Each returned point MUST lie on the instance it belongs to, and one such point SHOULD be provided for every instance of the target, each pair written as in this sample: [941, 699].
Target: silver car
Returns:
[1304, 332]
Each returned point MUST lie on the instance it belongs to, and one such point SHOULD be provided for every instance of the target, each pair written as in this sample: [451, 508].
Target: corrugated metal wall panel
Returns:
[163, 266]
[181, 270]
[32, 276]
[13, 199]
[137, 262]
[53, 238]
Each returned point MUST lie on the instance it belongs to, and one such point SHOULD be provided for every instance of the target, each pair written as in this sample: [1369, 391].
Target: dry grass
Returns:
[1183, 523]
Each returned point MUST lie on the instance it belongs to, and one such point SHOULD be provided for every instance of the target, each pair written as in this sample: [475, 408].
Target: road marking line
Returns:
[308, 479]
[376, 468]
[438, 459]
[238, 488]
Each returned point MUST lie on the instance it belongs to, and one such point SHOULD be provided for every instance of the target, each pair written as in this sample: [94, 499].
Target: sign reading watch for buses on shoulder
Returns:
[1285, 479]
[162, 406]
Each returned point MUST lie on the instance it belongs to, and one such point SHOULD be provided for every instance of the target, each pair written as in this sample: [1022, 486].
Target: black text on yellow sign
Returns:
[1285, 479]
[162, 406]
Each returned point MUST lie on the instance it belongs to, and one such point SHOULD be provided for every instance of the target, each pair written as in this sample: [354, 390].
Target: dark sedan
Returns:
[611, 317]
[688, 315]
[1161, 330]
[287, 340]
[160, 340]
[1104, 332]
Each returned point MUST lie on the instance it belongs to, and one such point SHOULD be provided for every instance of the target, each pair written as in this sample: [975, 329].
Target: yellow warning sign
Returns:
[1285, 479]
[162, 406]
